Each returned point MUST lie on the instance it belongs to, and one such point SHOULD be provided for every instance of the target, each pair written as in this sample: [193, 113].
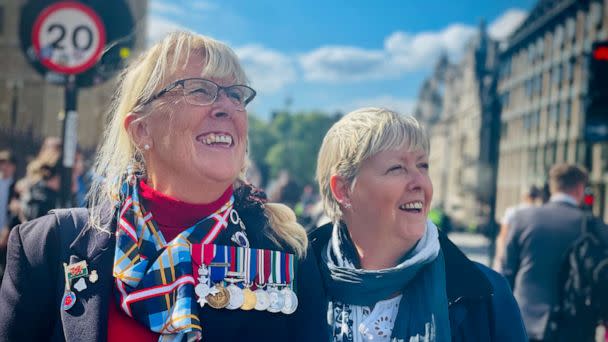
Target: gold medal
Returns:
[249, 299]
[219, 297]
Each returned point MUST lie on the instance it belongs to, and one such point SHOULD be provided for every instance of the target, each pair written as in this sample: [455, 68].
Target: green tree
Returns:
[289, 142]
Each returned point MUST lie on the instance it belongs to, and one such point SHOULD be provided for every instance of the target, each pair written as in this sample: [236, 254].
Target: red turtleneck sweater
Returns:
[172, 216]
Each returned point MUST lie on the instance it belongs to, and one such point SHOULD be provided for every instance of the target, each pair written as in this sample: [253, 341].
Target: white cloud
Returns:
[343, 63]
[162, 8]
[402, 52]
[413, 52]
[504, 25]
[400, 105]
[269, 70]
[158, 27]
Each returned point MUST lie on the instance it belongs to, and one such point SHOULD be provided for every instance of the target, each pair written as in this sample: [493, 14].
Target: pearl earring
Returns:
[347, 205]
[146, 147]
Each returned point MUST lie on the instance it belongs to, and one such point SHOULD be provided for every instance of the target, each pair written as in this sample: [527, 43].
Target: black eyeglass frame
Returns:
[181, 82]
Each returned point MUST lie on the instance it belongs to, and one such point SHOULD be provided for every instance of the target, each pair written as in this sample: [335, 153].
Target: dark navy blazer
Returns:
[33, 286]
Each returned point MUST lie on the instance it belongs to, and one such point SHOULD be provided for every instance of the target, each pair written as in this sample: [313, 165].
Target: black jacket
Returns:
[481, 306]
[33, 286]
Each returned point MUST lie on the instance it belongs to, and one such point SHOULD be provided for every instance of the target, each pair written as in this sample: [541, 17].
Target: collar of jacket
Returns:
[90, 241]
[464, 280]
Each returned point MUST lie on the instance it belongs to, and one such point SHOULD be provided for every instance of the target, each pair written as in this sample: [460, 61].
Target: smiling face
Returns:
[196, 152]
[390, 199]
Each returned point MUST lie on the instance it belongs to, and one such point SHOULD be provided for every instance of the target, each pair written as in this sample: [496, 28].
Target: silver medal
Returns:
[202, 290]
[236, 297]
[291, 301]
[276, 300]
[262, 300]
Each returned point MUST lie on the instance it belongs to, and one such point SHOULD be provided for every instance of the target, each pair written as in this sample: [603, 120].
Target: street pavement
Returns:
[475, 246]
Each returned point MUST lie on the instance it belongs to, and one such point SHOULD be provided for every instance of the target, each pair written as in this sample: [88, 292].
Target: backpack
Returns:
[582, 287]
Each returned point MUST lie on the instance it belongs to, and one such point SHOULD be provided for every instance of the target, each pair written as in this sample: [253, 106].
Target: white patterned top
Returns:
[366, 324]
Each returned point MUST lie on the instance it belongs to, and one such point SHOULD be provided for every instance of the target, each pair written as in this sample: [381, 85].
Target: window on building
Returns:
[531, 157]
[554, 118]
[505, 99]
[584, 65]
[571, 30]
[535, 123]
[539, 84]
[569, 70]
[558, 38]
[528, 88]
[557, 75]
[531, 53]
[1, 20]
[527, 122]
[595, 14]
[580, 152]
[540, 48]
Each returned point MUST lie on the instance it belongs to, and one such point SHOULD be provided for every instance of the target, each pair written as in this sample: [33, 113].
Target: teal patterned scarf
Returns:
[420, 277]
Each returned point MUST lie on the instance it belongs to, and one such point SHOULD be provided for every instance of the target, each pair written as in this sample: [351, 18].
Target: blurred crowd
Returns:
[38, 190]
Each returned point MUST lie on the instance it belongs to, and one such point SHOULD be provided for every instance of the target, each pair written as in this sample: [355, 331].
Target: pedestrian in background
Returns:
[8, 166]
[391, 275]
[43, 185]
[531, 197]
[536, 243]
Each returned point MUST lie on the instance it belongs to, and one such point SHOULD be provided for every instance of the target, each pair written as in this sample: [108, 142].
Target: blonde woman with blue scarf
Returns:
[176, 246]
[389, 273]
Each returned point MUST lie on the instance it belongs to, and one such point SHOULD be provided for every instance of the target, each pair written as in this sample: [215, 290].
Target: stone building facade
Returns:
[542, 87]
[451, 106]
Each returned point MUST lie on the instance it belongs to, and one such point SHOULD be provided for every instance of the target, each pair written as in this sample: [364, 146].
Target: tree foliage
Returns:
[289, 142]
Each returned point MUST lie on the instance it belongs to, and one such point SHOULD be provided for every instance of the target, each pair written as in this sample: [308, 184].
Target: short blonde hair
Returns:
[358, 136]
[144, 77]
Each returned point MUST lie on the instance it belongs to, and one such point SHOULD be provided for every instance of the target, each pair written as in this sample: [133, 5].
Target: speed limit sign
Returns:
[85, 40]
[68, 37]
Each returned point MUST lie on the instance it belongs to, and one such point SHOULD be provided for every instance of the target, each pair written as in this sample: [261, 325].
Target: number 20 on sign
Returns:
[68, 37]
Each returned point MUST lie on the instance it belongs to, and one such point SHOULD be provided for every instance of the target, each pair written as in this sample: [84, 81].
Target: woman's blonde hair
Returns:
[358, 136]
[139, 82]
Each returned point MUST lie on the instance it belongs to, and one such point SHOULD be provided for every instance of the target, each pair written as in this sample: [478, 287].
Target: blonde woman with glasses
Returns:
[176, 246]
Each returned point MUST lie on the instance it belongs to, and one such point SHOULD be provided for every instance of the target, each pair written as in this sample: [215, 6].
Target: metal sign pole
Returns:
[69, 141]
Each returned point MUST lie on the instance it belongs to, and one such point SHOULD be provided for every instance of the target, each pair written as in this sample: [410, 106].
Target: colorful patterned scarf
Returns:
[153, 278]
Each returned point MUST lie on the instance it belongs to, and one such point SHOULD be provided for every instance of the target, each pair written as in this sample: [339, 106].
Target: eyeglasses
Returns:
[203, 92]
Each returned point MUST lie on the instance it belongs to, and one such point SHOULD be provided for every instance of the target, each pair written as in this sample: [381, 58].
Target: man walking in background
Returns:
[536, 243]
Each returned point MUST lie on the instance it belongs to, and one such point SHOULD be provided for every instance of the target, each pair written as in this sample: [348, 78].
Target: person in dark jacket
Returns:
[535, 247]
[389, 273]
[175, 244]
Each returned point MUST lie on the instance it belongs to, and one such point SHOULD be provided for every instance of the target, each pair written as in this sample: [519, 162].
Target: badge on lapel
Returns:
[77, 272]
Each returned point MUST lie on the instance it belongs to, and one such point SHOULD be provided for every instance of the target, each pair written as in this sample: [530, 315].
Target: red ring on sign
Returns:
[92, 15]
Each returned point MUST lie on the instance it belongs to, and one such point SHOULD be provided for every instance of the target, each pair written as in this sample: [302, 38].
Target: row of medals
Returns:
[233, 297]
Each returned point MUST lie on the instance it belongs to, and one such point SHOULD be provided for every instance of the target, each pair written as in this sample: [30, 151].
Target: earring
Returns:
[347, 205]
[146, 147]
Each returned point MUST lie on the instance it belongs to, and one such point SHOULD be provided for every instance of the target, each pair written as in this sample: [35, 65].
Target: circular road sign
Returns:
[68, 37]
[89, 40]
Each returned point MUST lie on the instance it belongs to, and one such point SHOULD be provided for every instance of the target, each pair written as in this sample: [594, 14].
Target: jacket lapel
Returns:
[87, 319]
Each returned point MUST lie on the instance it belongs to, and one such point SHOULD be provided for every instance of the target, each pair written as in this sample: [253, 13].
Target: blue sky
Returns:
[337, 55]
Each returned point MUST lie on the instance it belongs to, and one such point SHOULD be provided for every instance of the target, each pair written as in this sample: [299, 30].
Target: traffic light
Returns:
[596, 113]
